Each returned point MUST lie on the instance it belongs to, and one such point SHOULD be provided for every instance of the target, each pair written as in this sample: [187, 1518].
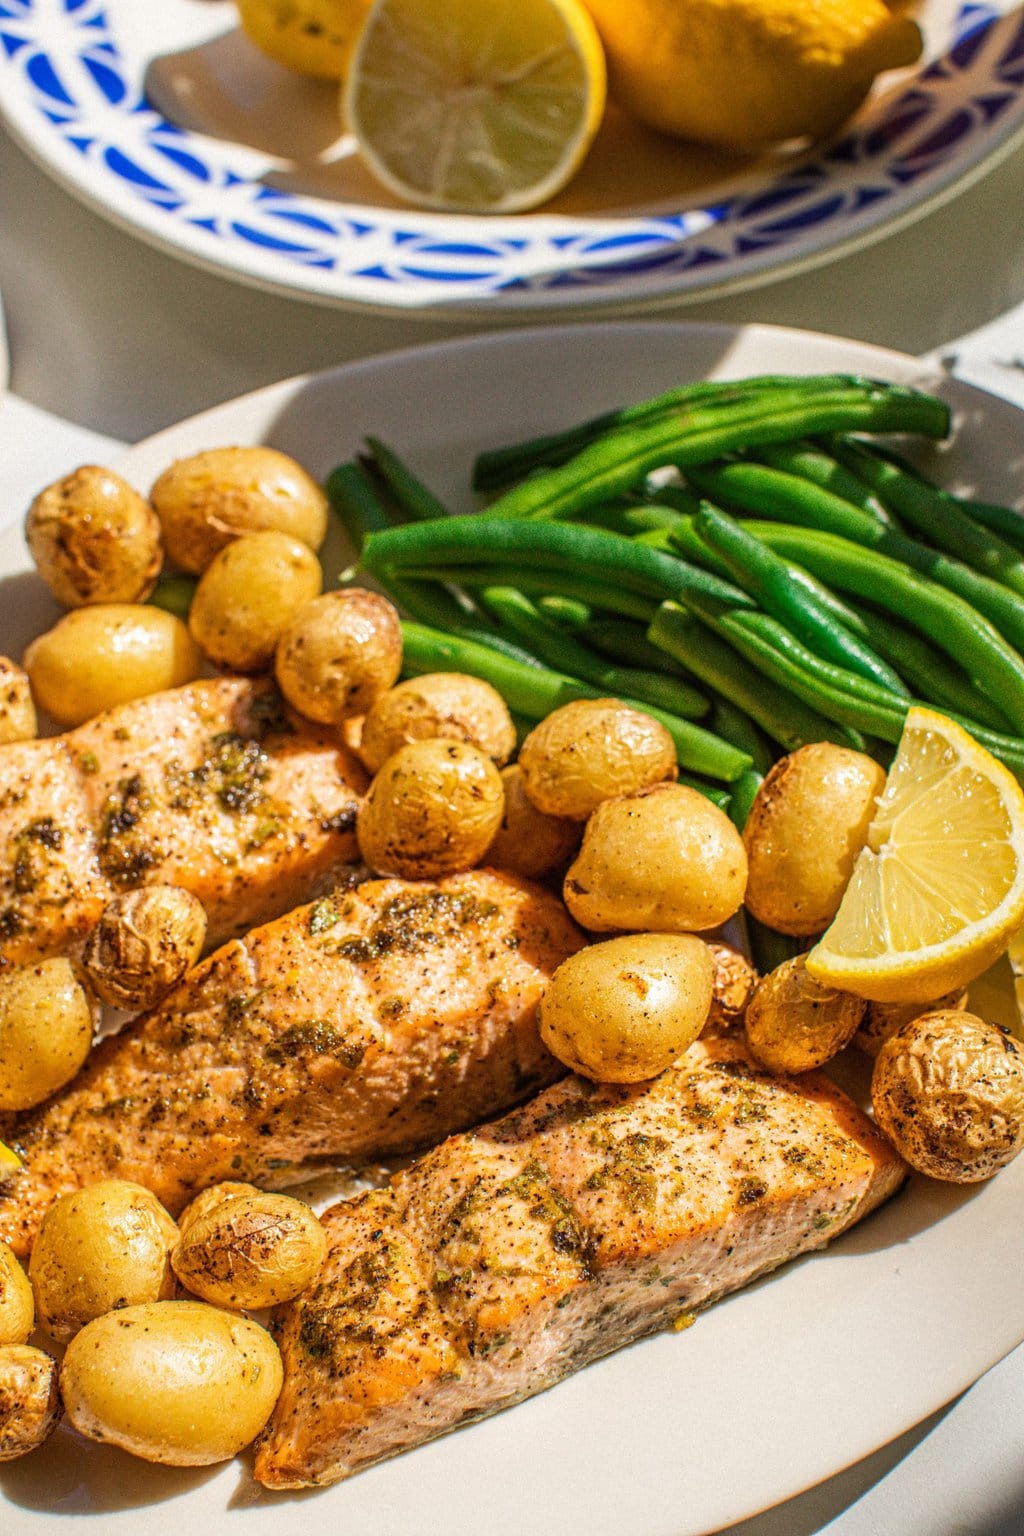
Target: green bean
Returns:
[768, 949]
[933, 514]
[766, 577]
[733, 724]
[809, 462]
[354, 499]
[567, 611]
[694, 435]
[744, 793]
[414, 499]
[946, 618]
[627, 643]
[781, 716]
[539, 583]
[173, 594]
[763, 491]
[723, 798]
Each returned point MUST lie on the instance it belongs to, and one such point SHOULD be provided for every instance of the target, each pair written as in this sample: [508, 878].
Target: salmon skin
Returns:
[214, 787]
[369, 1023]
[514, 1254]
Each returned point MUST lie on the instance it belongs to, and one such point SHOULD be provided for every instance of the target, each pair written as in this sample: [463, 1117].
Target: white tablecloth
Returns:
[110, 341]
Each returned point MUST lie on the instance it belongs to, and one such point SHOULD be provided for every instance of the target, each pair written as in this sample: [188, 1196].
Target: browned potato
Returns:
[623, 1010]
[176, 1382]
[94, 539]
[450, 706]
[339, 654]
[249, 1249]
[948, 1091]
[794, 1023]
[17, 711]
[107, 654]
[734, 982]
[528, 842]
[30, 1406]
[593, 750]
[144, 942]
[105, 1246]
[248, 595]
[17, 1304]
[210, 498]
[806, 826]
[884, 1019]
[47, 1019]
[433, 809]
[666, 860]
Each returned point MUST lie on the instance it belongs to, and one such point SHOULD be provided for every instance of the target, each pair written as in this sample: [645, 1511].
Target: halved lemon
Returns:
[939, 889]
[9, 1159]
[475, 107]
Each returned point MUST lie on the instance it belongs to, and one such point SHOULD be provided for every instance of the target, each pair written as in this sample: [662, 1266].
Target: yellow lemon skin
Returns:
[743, 74]
[314, 37]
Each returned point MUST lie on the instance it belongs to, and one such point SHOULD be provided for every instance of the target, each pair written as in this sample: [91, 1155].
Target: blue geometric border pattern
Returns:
[78, 84]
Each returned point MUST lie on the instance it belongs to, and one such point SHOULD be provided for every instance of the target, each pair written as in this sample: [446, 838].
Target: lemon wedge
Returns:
[315, 37]
[9, 1159]
[471, 107]
[938, 891]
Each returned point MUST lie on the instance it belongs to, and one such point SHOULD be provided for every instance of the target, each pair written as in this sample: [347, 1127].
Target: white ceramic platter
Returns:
[773, 1389]
[167, 120]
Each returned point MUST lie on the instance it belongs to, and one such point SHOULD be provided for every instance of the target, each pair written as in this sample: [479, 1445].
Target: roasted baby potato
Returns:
[339, 654]
[17, 711]
[623, 1010]
[593, 750]
[666, 860]
[47, 1019]
[450, 706]
[884, 1019]
[144, 942]
[734, 982]
[249, 1249]
[806, 827]
[948, 1091]
[794, 1023]
[529, 842]
[248, 595]
[30, 1406]
[94, 539]
[176, 1382]
[105, 1246]
[17, 1304]
[107, 654]
[207, 500]
[433, 809]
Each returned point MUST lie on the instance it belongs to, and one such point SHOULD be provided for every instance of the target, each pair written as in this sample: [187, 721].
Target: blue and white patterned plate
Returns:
[168, 121]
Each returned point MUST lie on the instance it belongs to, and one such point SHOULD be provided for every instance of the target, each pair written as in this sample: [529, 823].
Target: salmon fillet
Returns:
[519, 1252]
[366, 1024]
[210, 786]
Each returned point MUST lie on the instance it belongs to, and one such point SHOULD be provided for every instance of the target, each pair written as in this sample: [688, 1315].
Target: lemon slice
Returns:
[939, 889]
[475, 107]
[9, 1159]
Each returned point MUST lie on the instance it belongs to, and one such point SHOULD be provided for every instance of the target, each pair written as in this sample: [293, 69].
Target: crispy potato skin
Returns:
[590, 751]
[528, 842]
[144, 943]
[17, 1304]
[732, 988]
[884, 1019]
[47, 1019]
[30, 1405]
[794, 1024]
[433, 809]
[806, 826]
[450, 706]
[249, 1249]
[339, 654]
[247, 596]
[94, 539]
[97, 657]
[17, 710]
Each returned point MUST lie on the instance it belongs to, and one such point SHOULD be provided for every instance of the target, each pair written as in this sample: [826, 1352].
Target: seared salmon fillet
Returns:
[369, 1023]
[518, 1252]
[211, 786]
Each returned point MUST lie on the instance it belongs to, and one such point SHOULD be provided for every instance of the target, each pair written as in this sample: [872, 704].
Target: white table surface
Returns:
[109, 341]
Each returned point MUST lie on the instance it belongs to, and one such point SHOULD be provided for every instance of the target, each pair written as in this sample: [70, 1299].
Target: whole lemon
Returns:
[315, 37]
[746, 73]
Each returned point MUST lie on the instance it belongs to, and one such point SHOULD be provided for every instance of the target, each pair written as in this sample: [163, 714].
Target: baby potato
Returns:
[94, 539]
[948, 1091]
[207, 500]
[99, 1248]
[249, 1249]
[17, 1304]
[107, 654]
[17, 711]
[339, 654]
[47, 1019]
[144, 942]
[528, 842]
[623, 1010]
[176, 1382]
[794, 1023]
[808, 822]
[30, 1406]
[593, 750]
[884, 1019]
[666, 860]
[433, 809]
[450, 706]
[734, 982]
[248, 595]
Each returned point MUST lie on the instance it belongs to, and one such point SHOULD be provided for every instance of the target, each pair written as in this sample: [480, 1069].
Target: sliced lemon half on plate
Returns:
[474, 107]
[939, 888]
